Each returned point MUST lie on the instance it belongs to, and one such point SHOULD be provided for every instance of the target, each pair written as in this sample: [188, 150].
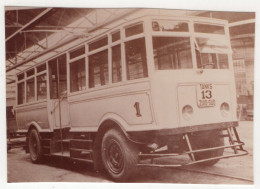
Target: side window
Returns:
[77, 75]
[134, 30]
[20, 94]
[116, 64]
[98, 69]
[136, 63]
[30, 93]
[41, 87]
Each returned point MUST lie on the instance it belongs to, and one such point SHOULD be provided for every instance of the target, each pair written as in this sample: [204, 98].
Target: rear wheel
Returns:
[119, 156]
[207, 139]
[35, 146]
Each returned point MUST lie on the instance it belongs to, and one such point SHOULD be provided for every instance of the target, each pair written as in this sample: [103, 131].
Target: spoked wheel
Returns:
[35, 147]
[119, 156]
[208, 139]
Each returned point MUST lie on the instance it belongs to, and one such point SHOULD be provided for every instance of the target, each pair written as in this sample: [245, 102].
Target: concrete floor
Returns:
[20, 168]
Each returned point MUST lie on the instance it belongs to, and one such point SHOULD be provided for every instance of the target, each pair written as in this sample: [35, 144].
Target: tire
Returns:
[119, 156]
[35, 146]
[208, 139]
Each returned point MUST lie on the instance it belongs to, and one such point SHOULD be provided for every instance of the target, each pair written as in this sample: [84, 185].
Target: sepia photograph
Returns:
[129, 95]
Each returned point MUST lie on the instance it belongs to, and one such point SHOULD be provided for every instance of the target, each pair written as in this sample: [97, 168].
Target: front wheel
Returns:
[119, 156]
[35, 146]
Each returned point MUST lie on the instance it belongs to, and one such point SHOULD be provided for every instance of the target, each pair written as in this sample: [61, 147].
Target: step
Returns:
[64, 154]
[82, 150]
[85, 160]
[81, 140]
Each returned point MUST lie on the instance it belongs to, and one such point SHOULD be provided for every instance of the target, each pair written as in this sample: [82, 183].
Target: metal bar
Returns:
[62, 27]
[29, 23]
[42, 30]
[237, 137]
[231, 139]
[193, 162]
[189, 145]
[194, 151]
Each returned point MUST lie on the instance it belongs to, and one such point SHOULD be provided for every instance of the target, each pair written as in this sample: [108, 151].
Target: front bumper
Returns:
[149, 136]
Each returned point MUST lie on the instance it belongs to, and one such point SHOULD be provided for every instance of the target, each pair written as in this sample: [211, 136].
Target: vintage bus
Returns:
[156, 85]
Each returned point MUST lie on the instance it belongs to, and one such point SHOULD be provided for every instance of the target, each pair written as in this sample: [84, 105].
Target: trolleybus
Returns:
[156, 85]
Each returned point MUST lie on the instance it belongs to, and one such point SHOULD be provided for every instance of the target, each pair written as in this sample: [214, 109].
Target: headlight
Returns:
[224, 109]
[187, 112]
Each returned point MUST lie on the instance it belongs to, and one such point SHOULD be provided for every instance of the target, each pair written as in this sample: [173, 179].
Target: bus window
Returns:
[41, 87]
[20, 94]
[223, 61]
[208, 28]
[136, 64]
[172, 53]
[98, 44]
[211, 54]
[77, 75]
[77, 52]
[30, 72]
[98, 69]
[134, 30]
[170, 26]
[115, 36]
[41, 68]
[116, 64]
[58, 76]
[21, 77]
[30, 92]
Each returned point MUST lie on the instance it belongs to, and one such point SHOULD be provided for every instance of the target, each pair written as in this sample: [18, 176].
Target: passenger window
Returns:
[115, 36]
[136, 64]
[41, 68]
[21, 77]
[98, 44]
[77, 75]
[98, 69]
[30, 92]
[20, 94]
[41, 87]
[30, 72]
[77, 52]
[116, 64]
[134, 30]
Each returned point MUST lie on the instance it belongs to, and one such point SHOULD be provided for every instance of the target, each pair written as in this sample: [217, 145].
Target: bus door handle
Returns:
[60, 100]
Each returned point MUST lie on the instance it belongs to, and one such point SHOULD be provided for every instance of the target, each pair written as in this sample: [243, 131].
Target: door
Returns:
[58, 103]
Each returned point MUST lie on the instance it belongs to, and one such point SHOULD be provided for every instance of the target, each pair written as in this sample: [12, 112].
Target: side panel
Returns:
[87, 109]
[32, 113]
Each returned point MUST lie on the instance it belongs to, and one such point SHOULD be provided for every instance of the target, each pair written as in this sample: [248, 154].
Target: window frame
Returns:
[25, 79]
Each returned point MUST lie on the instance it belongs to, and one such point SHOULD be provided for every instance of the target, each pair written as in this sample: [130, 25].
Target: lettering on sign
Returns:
[205, 96]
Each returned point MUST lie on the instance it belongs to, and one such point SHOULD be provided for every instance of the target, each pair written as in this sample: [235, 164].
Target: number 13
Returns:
[206, 94]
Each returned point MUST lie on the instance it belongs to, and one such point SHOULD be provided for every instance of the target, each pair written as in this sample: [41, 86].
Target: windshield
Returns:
[212, 53]
[172, 53]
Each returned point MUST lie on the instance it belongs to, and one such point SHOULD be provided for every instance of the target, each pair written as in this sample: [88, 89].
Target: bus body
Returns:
[120, 96]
